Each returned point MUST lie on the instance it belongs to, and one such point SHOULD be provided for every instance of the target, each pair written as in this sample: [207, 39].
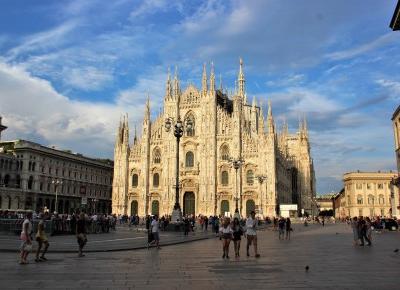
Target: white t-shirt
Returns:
[154, 226]
[227, 230]
[26, 221]
[251, 227]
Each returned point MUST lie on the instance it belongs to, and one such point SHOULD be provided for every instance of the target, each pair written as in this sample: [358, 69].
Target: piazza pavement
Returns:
[333, 264]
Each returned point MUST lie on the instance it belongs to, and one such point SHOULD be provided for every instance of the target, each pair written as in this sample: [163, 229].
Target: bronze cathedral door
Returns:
[189, 203]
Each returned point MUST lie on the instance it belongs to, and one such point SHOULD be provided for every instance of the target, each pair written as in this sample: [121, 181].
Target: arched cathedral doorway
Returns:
[250, 206]
[189, 203]
[134, 207]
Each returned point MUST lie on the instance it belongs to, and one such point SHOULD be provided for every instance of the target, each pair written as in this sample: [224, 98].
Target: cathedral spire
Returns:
[212, 78]
[176, 88]
[204, 81]
[126, 130]
[270, 119]
[305, 126]
[220, 83]
[135, 137]
[241, 80]
[147, 111]
[168, 89]
[254, 103]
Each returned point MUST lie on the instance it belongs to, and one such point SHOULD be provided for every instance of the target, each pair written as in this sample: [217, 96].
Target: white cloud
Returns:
[50, 38]
[87, 78]
[392, 86]
[290, 80]
[364, 48]
[32, 108]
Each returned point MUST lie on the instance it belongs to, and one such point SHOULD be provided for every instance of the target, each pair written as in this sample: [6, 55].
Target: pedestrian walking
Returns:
[26, 240]
[186, 226]
[288, 228]
[368, 224]
[363, 232]
[81, 233]
[251, 234]
[216, 224]
[42, 240]
[155, 231]
[354, 227]
[237, 236]
[226, 232]
[281, 228]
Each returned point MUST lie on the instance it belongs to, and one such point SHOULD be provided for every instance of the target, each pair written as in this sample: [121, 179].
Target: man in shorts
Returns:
[155, 228]
[251, 234]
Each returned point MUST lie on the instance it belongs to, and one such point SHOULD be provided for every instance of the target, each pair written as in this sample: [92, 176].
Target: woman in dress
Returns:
[237, 233]
[225, 232]
[42, 240]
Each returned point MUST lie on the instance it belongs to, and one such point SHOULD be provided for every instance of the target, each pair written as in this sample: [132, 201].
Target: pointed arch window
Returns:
[224, 178]
[135, 180]
[157, 156]
[190, 131]
[156, 180]
[250, 177]
[189, 161]
[225, 152]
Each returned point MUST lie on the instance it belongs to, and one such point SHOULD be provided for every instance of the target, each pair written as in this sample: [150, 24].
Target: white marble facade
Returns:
[224, 127]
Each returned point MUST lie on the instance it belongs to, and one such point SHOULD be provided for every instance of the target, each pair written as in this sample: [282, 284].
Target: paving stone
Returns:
[334, 264]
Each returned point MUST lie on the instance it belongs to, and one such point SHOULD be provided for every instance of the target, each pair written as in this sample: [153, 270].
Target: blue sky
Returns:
[69, 69]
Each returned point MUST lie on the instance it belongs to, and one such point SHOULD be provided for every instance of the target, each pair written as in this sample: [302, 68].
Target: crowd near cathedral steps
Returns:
[276, 167]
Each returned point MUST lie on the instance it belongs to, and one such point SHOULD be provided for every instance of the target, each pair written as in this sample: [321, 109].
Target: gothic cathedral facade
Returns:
[276, 167]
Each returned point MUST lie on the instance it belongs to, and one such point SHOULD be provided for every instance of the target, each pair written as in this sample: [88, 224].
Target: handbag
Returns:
[28, 247]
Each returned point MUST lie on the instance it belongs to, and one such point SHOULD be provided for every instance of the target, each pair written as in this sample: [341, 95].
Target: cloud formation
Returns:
[69, 70]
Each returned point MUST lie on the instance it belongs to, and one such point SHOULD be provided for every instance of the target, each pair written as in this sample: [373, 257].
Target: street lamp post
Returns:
[179, 127]
[56, 183]
[261, 179]
[95, 200]
[237, 163]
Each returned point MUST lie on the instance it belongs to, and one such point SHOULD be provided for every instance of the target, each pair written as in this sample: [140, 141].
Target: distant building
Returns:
[369, 194]
[395, 22]
[339, 205]
[2, 127]
[324, 202]
[396, 130]
[31, 174]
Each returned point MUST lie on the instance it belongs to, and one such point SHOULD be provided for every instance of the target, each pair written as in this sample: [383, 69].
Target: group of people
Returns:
[229, 231]
[362, 230]
[27, 237]
[284, 226]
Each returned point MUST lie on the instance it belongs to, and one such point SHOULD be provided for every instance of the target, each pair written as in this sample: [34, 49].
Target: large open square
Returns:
[333, 264]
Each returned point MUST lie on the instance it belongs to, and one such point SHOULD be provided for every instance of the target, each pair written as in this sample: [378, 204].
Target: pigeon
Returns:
[307, 268]
[396, 251]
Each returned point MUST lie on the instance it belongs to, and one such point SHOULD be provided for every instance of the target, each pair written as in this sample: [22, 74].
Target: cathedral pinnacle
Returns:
[241, 80]
[204, 81]
[135, 137]
[270, 119]
[212, 78]
[176, 89]
[168, 90]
